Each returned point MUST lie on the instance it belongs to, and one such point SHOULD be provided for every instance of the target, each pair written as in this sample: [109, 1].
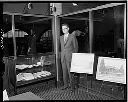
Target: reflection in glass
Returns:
[109, 32]
[31, 30]
[8, 39]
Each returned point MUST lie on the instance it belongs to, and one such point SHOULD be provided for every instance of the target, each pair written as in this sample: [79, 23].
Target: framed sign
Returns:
[111, 69]
[82, 63]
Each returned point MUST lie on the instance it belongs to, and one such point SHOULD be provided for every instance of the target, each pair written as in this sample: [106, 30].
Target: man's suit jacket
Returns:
[71, 46]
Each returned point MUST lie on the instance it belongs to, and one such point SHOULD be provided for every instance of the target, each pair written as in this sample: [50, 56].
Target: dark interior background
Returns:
[108, 27]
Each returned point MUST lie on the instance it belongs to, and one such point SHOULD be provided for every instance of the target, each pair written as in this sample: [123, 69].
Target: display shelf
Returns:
[38, 79]
[34, 81]
[31, 60]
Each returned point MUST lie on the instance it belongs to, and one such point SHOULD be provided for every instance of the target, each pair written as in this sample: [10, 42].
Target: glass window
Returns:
[108, 39]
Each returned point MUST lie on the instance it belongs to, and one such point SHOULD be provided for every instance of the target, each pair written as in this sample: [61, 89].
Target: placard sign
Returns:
[82, 63]
[111, 69]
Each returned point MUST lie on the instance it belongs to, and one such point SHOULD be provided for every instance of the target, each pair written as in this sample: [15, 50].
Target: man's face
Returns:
[65, 29]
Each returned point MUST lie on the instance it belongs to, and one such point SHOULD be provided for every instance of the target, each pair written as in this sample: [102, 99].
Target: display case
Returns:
[28, 70]
[31, 69]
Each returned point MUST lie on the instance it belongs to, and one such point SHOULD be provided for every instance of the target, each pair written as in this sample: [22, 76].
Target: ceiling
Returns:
[69, 7]
[66, 8]
[19, 19]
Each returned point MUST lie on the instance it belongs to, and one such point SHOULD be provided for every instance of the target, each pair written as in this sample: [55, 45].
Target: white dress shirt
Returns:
[65, 37]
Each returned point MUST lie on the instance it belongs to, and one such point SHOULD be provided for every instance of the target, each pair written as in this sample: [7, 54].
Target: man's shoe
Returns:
[72, 90]
[64, 88]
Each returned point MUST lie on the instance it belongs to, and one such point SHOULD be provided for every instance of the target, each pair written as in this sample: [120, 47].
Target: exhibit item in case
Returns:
[5, 96]
[82, 63]
[34, 67]
[111, 69]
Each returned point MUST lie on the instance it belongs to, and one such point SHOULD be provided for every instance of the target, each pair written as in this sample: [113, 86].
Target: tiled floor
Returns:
[48, 91]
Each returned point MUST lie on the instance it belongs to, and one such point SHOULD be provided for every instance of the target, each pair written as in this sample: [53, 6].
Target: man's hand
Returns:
[29, 50]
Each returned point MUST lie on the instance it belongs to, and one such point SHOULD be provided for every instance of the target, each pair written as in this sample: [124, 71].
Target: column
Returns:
[125, 31]
[13, 33]
[90, 31]
[56, 36]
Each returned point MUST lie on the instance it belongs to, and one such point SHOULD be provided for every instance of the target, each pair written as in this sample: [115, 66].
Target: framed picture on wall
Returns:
[111, 69]
[82, 63]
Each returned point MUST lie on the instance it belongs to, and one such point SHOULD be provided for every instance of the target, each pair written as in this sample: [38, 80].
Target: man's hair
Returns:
[65, 24]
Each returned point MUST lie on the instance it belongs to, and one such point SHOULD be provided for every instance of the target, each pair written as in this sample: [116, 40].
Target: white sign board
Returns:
[111, 69]
[82, 63]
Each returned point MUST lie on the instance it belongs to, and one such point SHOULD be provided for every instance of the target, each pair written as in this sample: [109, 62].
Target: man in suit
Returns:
[69, 45]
